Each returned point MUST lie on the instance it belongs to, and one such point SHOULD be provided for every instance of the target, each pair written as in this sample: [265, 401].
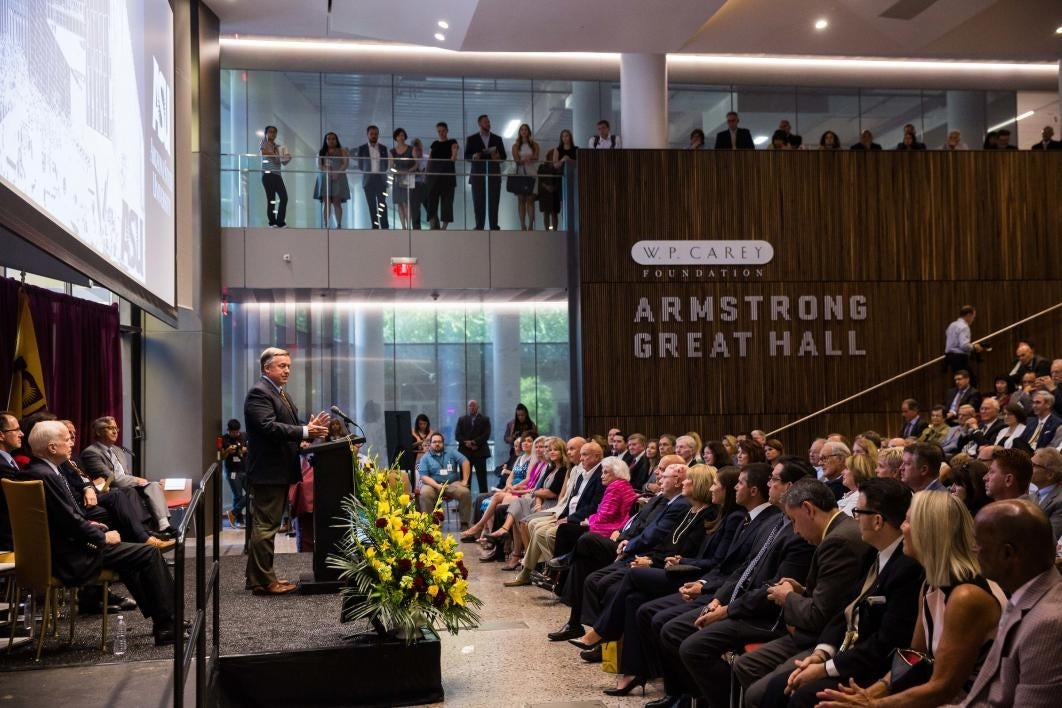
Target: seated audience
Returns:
[866, 142]
[1026, 360]
[857, 644]
[961, 394]
[104, 462]
[959, 611]
[638, 463]
[829, 141]
[715, 454]
[965, 479]
[1009, 475]
[920, 468]
[541, 499]
[889, 461]
[857, 469]
[80, 548]
[1041, 425]
[1047, 476]
[517, 483]
[954, 142]
[913, 425]
[982, 429]
[833, 457]
[773, 450]
[446, 472]
[10, 441]
[1014, 425]
[952, 441]
[609, 515]
[938, 427]
[1015, 548]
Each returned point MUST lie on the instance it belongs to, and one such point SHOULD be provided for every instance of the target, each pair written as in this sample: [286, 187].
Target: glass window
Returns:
[822, 109]
[695, 106]
[934, 119]
[1001, 107]
[884, 112]
[761, 109]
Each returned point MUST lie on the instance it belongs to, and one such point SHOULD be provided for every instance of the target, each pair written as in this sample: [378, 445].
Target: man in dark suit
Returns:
[866, 142]
[1047, 141]
[913, 425]
[372, 161]
[1026, 360]
[81, 548]
[831, 585]
[274, 434]
[734, 138]
[485, 150]
[10, 441]
[1041, 425]
[473, 441]
[638, 462]
[858, 642]
[963, 394]
[984, 429]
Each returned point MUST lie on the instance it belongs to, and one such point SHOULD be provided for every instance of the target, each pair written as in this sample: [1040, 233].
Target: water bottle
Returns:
[27, 613]
[119, 636]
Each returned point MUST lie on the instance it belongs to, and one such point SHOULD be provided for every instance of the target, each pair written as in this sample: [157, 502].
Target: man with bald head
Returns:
[543, 527]
[1027, 361]
[982, 429]
[81, 548]
[1016, 549]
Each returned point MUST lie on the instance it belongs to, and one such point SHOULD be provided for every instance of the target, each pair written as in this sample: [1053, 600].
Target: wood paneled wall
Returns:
[917, 234]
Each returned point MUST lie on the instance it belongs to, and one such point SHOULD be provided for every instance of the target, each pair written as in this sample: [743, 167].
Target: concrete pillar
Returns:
[586, 110]
[182, 365]
[643, 100]
[369, 400]
[966, 114]
[505, 373]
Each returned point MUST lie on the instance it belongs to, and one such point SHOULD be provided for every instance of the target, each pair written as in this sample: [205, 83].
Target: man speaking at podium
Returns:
[274, 435]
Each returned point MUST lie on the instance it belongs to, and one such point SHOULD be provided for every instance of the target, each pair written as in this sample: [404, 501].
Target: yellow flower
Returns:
[370, 552]
[403, 500]
[433, 590]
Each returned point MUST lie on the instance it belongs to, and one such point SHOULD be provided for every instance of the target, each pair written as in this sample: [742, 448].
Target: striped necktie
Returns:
[751, 567]
[851, 614]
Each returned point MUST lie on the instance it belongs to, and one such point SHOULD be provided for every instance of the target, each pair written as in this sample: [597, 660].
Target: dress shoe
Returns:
[469, 538]
[165, 534]
[160, 544]
[167, 634]
[517, 582]
[124, 603]
[560, 562]
[232, 519]
[583, 645]
[591, 656]
[636, 682]
[568, 631]
[280, 587]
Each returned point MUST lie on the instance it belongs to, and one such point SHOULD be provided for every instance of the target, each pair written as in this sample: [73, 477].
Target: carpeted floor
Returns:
[251, 623]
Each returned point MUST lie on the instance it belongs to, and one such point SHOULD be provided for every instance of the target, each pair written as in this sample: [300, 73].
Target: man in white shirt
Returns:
[957, 346]
[604, 140]
[373, 164]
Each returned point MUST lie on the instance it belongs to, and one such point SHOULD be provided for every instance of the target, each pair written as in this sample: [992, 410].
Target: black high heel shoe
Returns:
[637, 682]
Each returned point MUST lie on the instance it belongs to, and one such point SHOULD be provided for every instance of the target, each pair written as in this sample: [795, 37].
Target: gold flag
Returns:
[26, 394]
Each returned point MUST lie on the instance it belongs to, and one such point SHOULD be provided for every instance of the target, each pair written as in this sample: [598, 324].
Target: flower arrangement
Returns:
[399, 566]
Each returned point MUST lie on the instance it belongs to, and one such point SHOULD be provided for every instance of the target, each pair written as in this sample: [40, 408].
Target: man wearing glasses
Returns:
[858, 642]
[10, 440]
[833, 458]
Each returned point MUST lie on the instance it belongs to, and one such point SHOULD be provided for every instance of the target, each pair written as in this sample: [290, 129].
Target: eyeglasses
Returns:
[775, 478]
[9, 430]
[867, 512]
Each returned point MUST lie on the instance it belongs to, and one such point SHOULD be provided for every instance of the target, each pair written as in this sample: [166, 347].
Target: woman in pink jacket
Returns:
[615, 507]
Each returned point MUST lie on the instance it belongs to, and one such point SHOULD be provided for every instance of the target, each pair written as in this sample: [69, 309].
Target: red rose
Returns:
[403, 565]
[419, 565]
[464, 572]
[381, 523]
[439, 517]
[426, 538]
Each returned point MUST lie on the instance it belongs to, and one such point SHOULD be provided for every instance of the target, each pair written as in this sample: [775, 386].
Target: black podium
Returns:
[333, 481]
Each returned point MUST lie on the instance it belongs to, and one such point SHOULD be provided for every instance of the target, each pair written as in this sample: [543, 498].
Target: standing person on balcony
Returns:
[484, 148]
[525, 155]
[373, 164]
[273, 156]
[403, 164]
[332, 188]
[734, 138]
[442, 178]
[418, 196]
[605, 139]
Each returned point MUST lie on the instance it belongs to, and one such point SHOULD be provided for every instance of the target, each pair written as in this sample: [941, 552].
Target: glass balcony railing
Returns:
[398, 193]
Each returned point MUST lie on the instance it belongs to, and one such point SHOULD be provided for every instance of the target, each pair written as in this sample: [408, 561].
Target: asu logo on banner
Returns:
[26, 395]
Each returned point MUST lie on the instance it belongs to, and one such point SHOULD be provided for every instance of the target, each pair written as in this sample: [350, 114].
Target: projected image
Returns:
[86, 124]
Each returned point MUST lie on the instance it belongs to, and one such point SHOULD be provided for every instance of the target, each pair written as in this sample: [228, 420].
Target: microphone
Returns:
[336, 410]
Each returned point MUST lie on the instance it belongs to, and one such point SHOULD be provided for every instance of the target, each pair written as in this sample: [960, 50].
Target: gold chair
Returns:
[33, 548]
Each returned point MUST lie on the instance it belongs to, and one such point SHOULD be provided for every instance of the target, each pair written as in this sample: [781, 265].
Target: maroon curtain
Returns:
[80, 349]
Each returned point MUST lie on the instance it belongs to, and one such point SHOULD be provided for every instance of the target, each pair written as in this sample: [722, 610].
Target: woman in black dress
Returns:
[442, 179]
[556, 168]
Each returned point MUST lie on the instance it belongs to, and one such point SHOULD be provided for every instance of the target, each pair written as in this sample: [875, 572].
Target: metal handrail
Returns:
[897, 377]
[207, 589]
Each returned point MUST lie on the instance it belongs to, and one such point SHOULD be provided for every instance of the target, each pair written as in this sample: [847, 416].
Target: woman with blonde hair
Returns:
[525, 155]
[857, 469]
[530, 462]
[866, 446]
[959, 611]
[889, 460]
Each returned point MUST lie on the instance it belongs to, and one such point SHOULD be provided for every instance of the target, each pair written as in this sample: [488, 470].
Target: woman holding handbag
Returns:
[522, 181]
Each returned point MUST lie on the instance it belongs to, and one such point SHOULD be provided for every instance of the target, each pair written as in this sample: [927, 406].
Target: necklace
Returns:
[684, 525]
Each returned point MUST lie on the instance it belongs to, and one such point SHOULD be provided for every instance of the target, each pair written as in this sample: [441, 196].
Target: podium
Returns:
[333, 481]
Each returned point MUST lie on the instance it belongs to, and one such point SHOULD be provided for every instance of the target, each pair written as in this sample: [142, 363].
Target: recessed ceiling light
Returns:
[444, 24]
[440, 36]
[822, 23]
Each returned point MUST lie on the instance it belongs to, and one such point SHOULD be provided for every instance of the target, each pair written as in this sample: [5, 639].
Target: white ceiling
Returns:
[1006, 30]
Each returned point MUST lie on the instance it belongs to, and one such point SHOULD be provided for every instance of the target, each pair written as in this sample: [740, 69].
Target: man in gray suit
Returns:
[104, 460]
[1046, 475]
[832, 582]
[1016, 549]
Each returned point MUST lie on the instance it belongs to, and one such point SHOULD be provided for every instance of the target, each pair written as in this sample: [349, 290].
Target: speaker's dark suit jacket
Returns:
[659, 528]
[744, 140]
[372, 179]
[885, 618]
[478, 429]
[273, 436]
[474, 146]
[77, 545]
[833, 581]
